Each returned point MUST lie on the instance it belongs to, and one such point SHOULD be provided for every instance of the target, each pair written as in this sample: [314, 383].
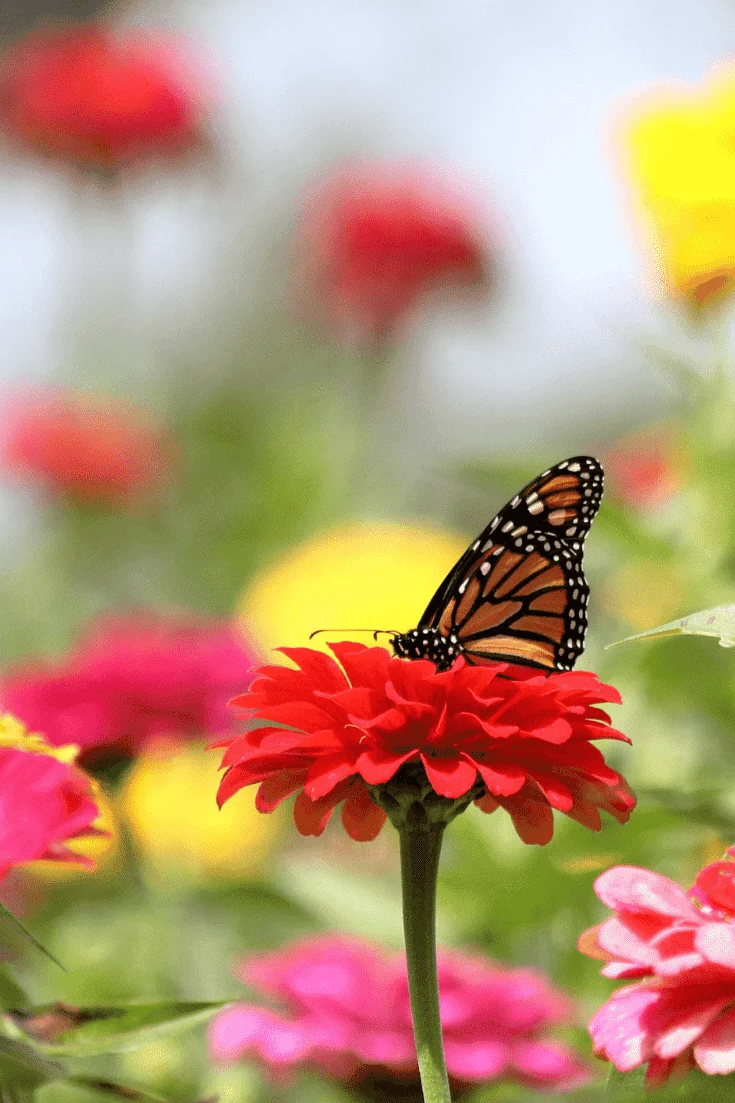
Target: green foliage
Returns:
[718, 622]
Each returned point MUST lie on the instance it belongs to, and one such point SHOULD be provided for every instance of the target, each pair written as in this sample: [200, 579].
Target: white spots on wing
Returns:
[519, 543]
[507, 526]
[574, 467]
[463, 586]
[572, 530]
[562, 465]
[558, 517]
[536, 507]
[515, 501]
[476, 545]
[484, 568]
[531, 498]
[520, 531]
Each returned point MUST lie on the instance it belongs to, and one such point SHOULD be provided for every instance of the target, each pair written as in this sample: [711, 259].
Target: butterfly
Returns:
[518, 594]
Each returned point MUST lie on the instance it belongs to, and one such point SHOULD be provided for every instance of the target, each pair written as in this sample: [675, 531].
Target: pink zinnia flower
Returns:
[343, 1010]
[132, 679]
[45, 800]
[375, 238]
[522, 737]
[88, 447]
[99, 99]
[680, 949]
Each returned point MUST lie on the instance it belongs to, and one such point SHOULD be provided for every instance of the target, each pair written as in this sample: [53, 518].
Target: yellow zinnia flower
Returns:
[678, 147]
[170, 803]
[357, 575]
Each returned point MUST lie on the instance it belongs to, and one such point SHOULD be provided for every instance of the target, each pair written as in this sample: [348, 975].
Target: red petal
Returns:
[532, 818]
[449, 777]
[312, 816]
[361, 816]
[325, 773]
[321, 670]
[276, 788]
[501, 779]
[487, 803]
[557, 732]
[364, 666]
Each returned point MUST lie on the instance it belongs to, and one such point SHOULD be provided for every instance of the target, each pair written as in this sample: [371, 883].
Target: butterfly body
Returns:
[518, 594]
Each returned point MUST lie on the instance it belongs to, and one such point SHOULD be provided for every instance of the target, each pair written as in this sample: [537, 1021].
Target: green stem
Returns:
[420, 850]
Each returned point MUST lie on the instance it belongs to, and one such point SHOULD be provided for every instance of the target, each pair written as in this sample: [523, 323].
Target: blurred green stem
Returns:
[420, 850]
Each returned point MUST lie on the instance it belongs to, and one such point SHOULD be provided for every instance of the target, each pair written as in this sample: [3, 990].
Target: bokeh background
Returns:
[230, 405]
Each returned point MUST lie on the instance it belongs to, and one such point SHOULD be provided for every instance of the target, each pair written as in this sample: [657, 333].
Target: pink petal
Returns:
[717, 942]
[687, 1029]
[630, 888]
[715, 1050]
[620, 1029]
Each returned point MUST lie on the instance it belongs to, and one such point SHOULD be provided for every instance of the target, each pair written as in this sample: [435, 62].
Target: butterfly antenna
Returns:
[375, 631]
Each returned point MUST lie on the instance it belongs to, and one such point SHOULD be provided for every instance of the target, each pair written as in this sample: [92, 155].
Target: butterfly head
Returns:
[427, 643]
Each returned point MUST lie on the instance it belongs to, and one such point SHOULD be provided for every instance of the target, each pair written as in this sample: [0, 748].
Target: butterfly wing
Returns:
[519, 594]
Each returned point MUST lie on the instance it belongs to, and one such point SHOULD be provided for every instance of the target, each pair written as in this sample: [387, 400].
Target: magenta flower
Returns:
[131, 679]
[45, 801]
[680, 948]
[344, 1011]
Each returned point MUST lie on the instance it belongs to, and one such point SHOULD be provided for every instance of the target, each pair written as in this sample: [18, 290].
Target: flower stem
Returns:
[420, 850]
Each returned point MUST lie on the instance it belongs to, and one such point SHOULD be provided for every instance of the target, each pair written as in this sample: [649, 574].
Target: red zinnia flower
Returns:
[130, 680]
[522, 736]
[91, 448]
[45, 800]
[99, 100]
[346, 1014]
[646, 469]
[376, 237]
[680, 947]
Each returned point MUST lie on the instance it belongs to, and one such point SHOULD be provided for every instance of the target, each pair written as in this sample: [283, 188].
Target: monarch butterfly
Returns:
[518, 594]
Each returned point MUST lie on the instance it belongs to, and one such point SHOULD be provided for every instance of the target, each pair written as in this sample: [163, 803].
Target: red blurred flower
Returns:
[45, 801]
[98, 99]
[347, 1014]
[130, 680]
[521, 737]
[645, 469]
[680, 947]
[83, 445]
[376, 237]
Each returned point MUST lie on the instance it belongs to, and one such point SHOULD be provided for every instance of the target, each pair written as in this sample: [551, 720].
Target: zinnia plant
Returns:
[99, 100]
[341, 1007]
[376, 238]
[678, 152]
[679, 949]
[84, 446]
[46, 802]
[132, 679]
[385, 737]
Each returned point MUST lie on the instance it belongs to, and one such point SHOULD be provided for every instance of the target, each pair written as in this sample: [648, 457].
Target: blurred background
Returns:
[293, 297]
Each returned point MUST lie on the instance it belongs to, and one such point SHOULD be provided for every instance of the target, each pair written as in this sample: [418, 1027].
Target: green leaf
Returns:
[695, 1087]
[7, 919]
[102, 1030]
[718, 622]
[11, 993]
[115, 1090]
[23, 1068]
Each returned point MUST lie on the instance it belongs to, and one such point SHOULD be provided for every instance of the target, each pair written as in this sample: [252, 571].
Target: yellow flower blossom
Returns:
[357, 575]
[678, 147]
[170, 803]
[13, 734]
